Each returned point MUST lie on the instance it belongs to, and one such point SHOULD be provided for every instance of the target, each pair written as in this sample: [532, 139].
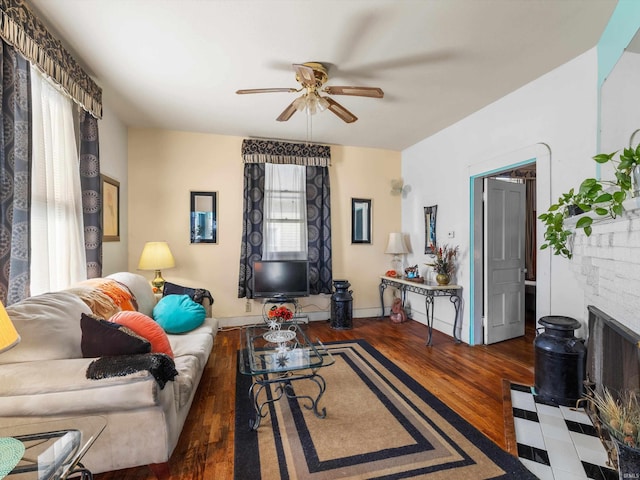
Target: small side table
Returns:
[53, 450]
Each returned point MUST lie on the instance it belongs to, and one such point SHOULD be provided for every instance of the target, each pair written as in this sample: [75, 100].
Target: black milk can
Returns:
[559, 361]
[341, 306]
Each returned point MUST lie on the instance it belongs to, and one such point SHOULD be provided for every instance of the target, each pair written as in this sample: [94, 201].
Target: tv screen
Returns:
[281, 278]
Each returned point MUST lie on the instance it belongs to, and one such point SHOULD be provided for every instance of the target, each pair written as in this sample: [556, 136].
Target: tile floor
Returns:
[557, 443]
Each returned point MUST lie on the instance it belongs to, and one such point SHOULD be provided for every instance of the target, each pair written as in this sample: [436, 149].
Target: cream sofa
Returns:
[44, 378]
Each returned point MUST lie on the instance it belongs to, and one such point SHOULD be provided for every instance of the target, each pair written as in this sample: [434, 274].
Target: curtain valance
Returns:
[22, 29]
[270, 151]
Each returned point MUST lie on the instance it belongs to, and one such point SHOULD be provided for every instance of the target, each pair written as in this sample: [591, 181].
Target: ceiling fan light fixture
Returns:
[300, 103]
[312, 103]
[312, 76]
[322, 103]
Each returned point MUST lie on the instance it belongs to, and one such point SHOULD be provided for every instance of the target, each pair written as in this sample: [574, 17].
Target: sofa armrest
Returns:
[61, 387]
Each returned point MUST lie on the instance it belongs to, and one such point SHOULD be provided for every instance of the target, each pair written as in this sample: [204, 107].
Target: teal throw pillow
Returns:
[178, 313]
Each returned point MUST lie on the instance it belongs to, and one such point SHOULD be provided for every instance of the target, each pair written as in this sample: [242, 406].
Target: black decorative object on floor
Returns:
[341, 306]
[559, 361]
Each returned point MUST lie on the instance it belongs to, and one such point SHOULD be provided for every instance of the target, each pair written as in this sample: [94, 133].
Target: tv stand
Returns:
[282, 300]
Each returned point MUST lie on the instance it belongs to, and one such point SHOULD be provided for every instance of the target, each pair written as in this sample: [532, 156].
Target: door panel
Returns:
[504, 231]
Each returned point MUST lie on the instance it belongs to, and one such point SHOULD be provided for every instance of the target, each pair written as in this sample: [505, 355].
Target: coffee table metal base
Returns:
[283, 388]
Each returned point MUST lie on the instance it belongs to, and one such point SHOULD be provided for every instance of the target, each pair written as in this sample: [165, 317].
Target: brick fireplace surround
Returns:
[607, 264]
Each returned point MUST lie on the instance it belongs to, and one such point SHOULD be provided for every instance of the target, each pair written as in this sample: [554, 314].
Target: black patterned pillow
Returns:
[196, 294]
[103, 338]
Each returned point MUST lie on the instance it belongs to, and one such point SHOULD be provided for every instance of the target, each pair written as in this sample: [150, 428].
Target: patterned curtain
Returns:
[15, 173]
[261, 151]
[317, 159]
[20, 27]
[251, 248]
[91, 198]
[319, 230]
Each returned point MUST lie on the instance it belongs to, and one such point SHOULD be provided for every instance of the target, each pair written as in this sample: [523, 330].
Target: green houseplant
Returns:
[602, 197]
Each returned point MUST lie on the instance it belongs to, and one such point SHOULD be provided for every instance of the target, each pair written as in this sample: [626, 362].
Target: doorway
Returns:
[535, 283]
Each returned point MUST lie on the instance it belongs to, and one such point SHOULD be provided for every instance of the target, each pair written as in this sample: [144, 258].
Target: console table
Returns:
[429, 292]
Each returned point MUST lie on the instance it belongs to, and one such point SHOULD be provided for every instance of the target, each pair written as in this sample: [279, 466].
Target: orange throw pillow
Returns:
[146, 327]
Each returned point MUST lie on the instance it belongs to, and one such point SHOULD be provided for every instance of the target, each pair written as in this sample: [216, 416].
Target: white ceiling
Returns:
[176, 64]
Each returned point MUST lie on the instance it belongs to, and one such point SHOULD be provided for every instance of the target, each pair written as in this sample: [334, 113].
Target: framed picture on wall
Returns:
[430, 229]
[110, 209]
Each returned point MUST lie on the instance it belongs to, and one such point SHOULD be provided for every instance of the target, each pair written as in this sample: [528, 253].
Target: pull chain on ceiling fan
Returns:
[312, 76]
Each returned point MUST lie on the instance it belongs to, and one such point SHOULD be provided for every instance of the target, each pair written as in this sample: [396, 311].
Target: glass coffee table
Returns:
[51, 450]
[279, 355]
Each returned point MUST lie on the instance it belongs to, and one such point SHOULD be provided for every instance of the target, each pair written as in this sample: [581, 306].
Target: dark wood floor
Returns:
[468, 379]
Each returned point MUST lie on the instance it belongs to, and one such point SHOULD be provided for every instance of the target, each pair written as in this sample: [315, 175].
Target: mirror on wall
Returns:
[204, 217]
[360, 220]
[430, 229]
[619, 100]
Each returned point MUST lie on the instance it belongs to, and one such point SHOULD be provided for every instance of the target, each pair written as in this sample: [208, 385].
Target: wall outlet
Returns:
[451, 234]
[247, 306]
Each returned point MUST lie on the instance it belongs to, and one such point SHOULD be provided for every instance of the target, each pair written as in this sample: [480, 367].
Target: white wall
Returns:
[559, 110]
[113, 163]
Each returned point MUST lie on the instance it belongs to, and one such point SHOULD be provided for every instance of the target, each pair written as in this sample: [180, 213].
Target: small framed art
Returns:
[110, 209]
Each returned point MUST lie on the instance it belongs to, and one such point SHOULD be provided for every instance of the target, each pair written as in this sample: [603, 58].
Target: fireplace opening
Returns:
[613, 354]
[613, 361]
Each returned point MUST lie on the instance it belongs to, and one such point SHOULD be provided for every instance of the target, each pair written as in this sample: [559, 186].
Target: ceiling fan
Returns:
[312, 76]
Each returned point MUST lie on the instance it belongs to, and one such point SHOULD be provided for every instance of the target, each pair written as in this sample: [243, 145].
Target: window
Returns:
[285, 213]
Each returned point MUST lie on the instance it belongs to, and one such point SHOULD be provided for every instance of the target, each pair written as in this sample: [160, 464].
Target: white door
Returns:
[504, 269]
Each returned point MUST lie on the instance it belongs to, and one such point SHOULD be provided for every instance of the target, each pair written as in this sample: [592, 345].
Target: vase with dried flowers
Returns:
[620, 415]
[443, 262]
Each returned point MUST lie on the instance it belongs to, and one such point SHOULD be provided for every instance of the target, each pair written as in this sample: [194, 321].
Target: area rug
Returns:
[380, 424]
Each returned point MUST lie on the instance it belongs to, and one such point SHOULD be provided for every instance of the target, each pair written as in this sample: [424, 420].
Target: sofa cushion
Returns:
[66, 390]
[103, 338]
[178, 313]
[140, 288]
[145, 327]
[49, 327]
[198, 345]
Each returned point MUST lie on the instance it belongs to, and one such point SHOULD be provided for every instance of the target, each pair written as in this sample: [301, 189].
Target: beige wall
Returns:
[164, 166]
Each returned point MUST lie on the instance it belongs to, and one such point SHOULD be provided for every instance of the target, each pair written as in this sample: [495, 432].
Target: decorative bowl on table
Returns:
[279, 336]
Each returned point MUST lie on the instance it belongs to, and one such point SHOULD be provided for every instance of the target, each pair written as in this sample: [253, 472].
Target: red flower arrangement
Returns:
[282, 313]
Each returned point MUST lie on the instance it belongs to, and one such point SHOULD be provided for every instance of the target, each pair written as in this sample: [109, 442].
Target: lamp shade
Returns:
[156, 256]
[8, 334]
[396, 244]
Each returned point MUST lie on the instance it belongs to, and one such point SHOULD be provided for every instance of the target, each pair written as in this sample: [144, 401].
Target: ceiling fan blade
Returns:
[305, 74]
[287, 113]
[340, 111]
[266, 90]
[372, 92]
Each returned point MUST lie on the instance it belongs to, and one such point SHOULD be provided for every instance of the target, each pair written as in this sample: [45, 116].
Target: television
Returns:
[280, 278]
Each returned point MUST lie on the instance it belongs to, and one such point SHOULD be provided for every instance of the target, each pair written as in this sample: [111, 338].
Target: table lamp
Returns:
[396, 247]
[156, 256]
[9, 337]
